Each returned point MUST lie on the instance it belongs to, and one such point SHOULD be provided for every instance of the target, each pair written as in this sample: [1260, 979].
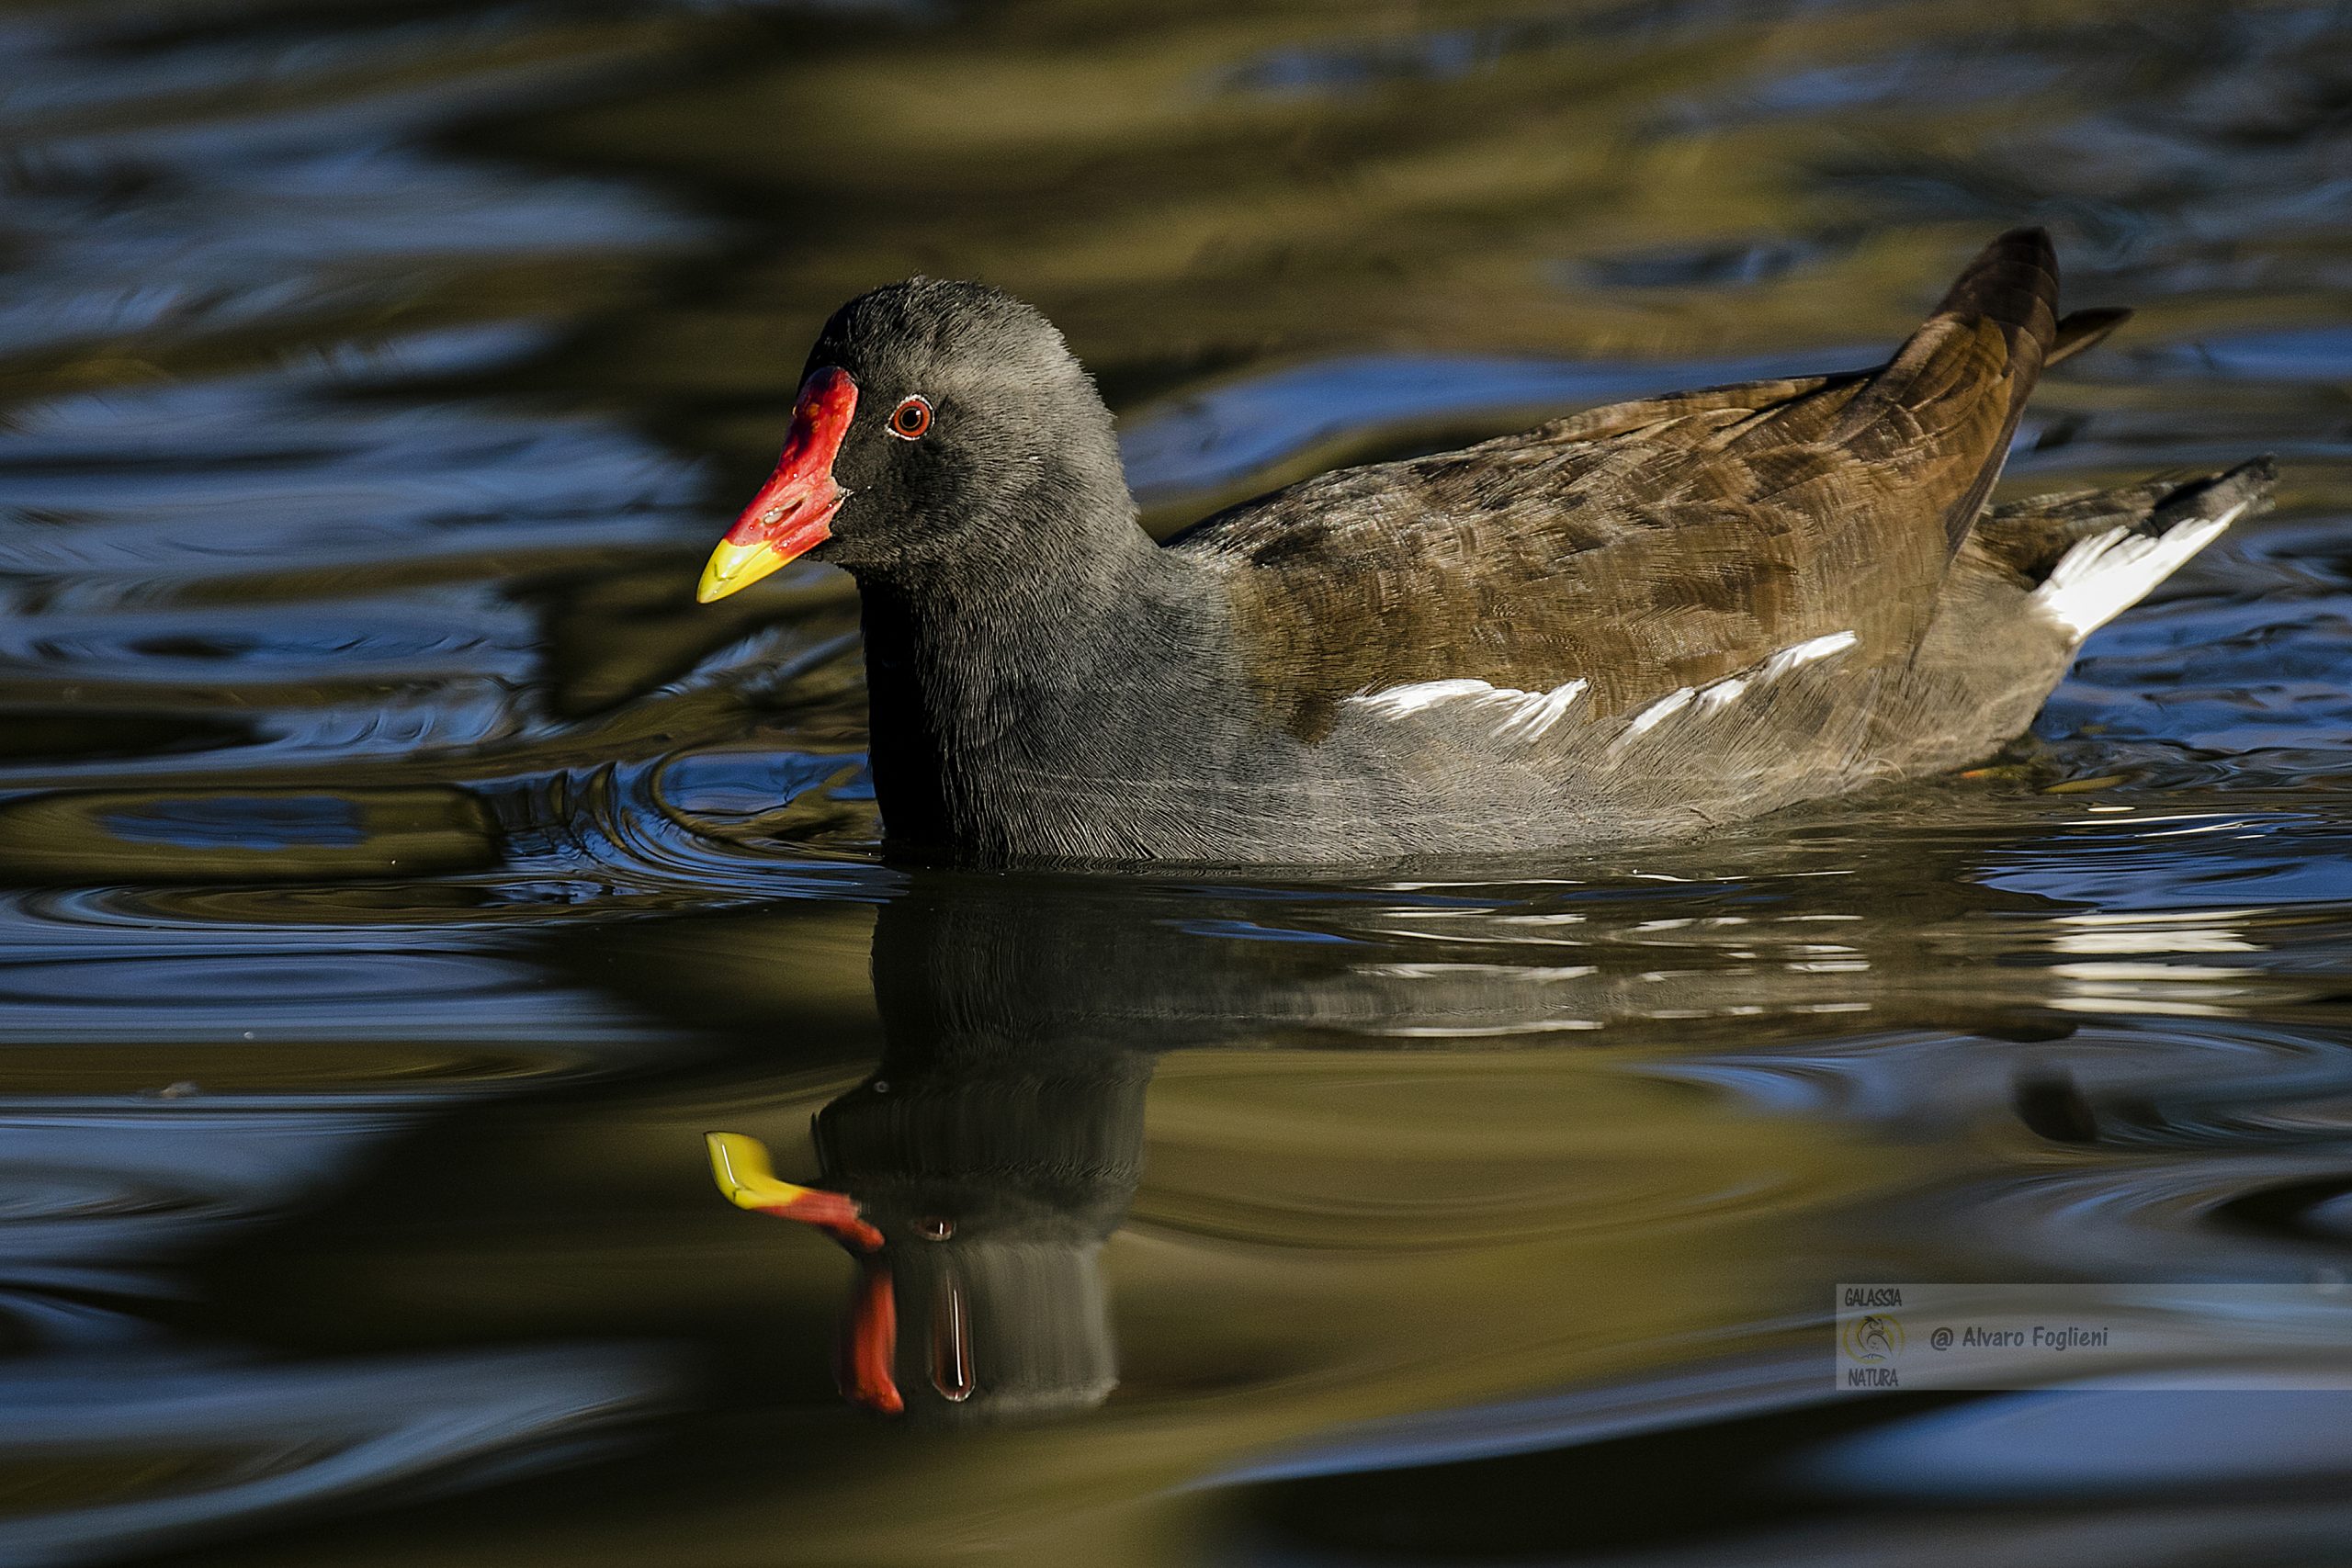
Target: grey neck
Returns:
[979, 671]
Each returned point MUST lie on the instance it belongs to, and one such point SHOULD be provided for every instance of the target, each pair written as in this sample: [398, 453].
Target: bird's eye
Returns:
[910, 418]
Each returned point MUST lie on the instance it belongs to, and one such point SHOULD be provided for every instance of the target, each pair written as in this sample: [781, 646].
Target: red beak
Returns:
[793, 514]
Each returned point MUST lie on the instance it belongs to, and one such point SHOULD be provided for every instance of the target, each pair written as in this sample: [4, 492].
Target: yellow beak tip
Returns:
[734, 566]
[739, 1165]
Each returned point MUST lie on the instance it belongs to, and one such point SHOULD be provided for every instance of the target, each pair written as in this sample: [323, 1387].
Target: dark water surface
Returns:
[402, 874]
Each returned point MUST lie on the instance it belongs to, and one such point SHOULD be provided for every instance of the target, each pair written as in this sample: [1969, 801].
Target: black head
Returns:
[938, 424]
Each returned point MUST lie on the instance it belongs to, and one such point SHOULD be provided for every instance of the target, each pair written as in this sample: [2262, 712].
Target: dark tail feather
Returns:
[2013, 282]
[2080, 329]
[2032, 536]
[1959, 389]
[2243, 489]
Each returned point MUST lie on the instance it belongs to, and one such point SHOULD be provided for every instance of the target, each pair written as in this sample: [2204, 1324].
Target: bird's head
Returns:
[938, 423]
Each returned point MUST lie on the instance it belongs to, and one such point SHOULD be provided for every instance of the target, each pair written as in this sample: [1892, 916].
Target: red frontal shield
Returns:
[793, 514]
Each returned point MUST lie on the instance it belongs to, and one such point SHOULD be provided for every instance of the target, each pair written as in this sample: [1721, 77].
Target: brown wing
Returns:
[1652, 545]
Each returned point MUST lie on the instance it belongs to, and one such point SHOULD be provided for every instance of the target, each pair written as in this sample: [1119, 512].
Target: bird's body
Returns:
[1643, 620]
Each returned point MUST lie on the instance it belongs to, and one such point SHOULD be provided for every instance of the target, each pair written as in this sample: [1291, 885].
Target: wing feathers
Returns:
[1654, 545]
[1956, 388]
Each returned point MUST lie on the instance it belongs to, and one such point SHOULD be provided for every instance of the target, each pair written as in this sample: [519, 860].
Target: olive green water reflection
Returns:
[401, 874]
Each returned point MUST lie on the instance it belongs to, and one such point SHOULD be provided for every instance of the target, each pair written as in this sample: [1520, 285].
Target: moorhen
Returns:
[1645, 620]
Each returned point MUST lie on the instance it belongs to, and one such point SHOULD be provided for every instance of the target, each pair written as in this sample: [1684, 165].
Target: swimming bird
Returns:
[1643, 620]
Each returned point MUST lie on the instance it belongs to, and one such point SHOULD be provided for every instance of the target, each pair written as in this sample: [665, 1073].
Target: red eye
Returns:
[909, 419]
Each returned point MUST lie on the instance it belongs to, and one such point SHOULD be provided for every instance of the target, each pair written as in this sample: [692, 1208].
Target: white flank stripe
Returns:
[1401, 702]
[1537, 712]
[1530, 716]
[1661, 711]
[1719, 694]
[1805, 652]
[1520, 716]
[1658, 713]
[2105, 575]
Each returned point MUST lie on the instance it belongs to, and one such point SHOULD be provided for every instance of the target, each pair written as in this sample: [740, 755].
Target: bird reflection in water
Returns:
[975, 1239]
[989, 1155]
[999, 1142]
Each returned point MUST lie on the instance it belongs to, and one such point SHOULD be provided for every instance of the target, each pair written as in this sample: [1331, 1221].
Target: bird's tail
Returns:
[2091, 555]
[1954, 391]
